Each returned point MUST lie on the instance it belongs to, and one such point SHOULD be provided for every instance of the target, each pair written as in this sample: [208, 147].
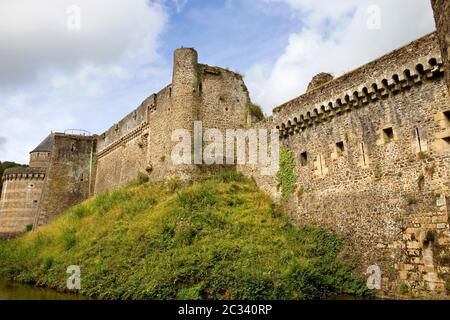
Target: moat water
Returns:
[17, 291]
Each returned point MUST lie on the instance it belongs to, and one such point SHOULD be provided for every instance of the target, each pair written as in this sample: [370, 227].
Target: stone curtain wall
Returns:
[69, 176]
[224, 99]
[20, 198]
[441, 9]
[141, 142]
[374, 163]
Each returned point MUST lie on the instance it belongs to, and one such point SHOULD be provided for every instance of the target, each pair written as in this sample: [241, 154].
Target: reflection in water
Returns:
[16, 291]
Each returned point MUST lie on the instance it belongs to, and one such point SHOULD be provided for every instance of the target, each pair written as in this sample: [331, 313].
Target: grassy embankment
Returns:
[217, 238]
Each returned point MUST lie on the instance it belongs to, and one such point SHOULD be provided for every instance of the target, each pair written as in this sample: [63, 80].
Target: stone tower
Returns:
[185, 95]
[185, 86]
[441, 9]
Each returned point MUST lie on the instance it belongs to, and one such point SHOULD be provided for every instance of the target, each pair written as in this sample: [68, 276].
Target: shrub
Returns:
[255, 111]
[68, 238]
[80, 211]
[47, 263]
[404, 289]
[286, 175]
[140, 180]
[173, 184]
[197, 199]
[377, 172]
[229, 176]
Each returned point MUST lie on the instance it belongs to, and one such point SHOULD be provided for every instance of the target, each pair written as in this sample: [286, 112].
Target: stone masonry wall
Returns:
[21, 194]
[441, 9]
[141, 142]
[69, 178]
[39, 159]
[372, 154]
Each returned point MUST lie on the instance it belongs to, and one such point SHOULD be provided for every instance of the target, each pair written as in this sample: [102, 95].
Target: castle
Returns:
[372, 153]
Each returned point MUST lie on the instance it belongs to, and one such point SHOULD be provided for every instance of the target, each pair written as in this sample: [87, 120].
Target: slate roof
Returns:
[46, 145]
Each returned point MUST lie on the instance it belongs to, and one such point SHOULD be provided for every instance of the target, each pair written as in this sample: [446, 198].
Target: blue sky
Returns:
[53, 78]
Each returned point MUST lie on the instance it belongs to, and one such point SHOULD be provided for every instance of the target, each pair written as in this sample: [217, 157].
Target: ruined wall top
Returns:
[319, 80]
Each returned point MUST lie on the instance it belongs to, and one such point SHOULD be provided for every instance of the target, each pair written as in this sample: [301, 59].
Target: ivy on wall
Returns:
[287, 176]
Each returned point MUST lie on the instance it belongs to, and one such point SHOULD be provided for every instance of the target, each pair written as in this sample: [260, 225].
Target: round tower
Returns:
[185, 87]
[40, 156]
[19, 202]
[184, 94]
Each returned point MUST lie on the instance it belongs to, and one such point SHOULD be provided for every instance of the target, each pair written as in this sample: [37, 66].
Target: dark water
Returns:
[16, 291]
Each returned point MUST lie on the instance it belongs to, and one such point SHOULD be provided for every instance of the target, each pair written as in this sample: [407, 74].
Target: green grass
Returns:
[216, 238]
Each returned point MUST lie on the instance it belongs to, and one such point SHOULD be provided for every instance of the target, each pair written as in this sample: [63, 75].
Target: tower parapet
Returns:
[21, 194]
[441, 9]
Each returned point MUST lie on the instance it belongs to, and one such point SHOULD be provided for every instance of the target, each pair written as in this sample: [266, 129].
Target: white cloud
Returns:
[38, 38]
[52, 77]
[180, 4]
[334, 37]
[2, 143]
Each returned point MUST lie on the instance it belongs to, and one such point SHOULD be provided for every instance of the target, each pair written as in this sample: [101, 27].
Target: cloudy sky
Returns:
[86, 63]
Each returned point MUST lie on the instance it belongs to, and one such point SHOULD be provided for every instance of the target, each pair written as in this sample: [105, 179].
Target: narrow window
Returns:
[447, 141]
[363, 152]
[388, 134]
[340, 148]
[320, 164]
[447, 116]
[418, 140]
[303, 159]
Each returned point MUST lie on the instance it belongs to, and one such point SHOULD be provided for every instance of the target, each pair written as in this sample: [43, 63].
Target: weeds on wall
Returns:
[255, 111]
[287, 176]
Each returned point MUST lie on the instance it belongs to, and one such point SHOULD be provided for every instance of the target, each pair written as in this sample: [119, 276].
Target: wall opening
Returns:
[419, 143]
[320, 164]
[447, 116]
[363, 152]
[340, 148]
[447, 141]
[388, 134]
[304, 158]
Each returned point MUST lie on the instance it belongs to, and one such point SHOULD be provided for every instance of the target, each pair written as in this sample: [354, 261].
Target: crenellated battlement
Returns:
[21, 173]
[426, 69]
[390, 74]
